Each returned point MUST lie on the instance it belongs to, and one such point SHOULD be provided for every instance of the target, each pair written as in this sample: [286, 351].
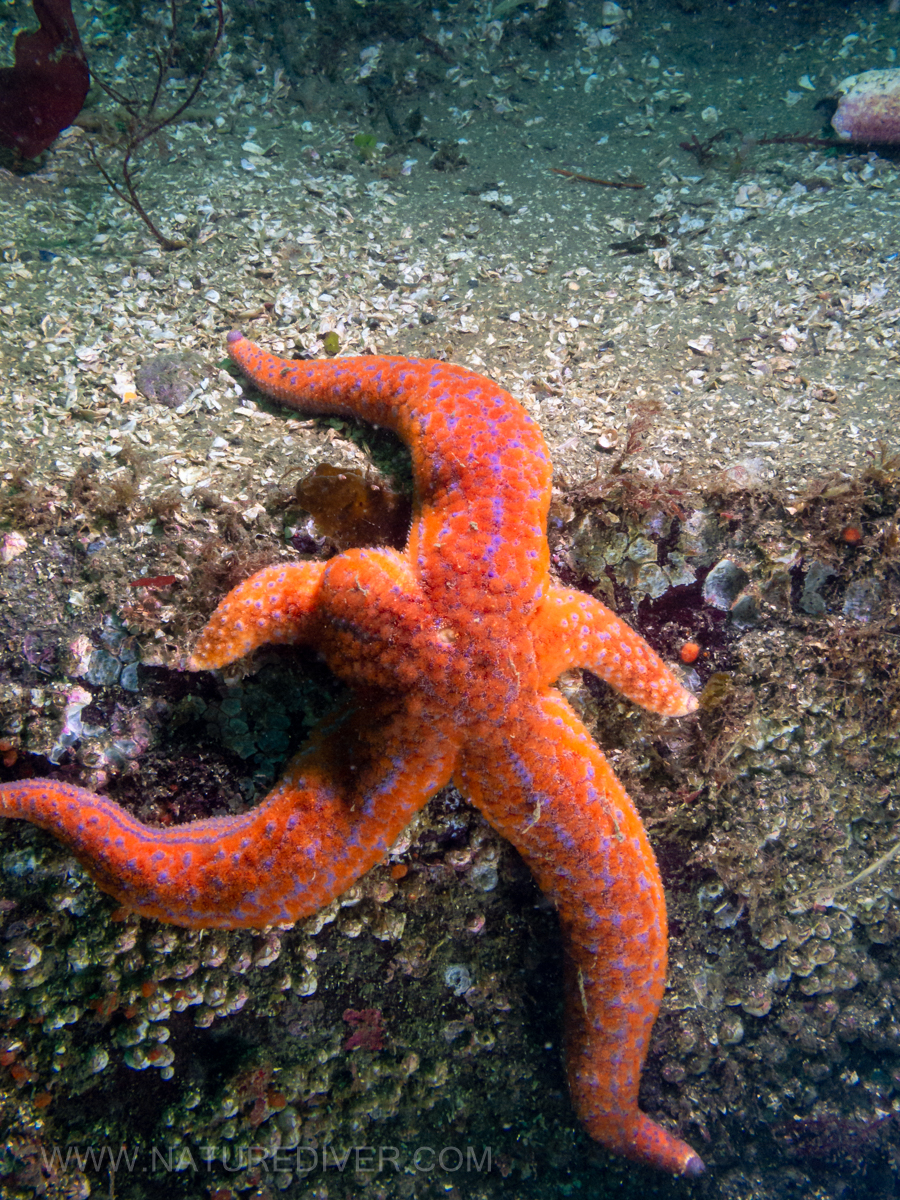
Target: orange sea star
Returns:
[452, 648]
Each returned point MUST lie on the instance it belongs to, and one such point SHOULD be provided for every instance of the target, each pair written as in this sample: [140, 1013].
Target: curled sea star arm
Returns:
[573, 629]
[482, 471]
[277, 604]
[550, 791]
[379, 629]
[363, 610]
[343, 801]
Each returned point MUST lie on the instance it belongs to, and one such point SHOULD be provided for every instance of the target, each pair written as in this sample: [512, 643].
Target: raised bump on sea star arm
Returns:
[573, 629]
[341, 804]
[378, 628]
[588, 851]
[277, 604]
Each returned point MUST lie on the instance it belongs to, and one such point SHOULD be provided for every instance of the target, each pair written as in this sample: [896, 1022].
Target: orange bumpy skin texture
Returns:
[453, 647]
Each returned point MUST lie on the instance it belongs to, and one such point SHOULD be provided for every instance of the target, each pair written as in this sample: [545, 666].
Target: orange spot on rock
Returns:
[689, 652]
[105, 1006]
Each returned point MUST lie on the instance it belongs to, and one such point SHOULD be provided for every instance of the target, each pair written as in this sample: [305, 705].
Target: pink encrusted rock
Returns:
[869, 107]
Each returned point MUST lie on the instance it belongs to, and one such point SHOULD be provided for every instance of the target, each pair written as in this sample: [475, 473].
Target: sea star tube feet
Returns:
[451, 648]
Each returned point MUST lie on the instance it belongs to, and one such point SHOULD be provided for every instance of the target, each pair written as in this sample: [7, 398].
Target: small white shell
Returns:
[11, 546]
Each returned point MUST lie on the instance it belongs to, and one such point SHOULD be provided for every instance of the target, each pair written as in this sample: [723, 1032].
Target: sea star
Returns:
[452, 648]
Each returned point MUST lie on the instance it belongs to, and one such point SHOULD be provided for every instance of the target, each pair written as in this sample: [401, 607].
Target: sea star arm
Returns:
[549, 790]
[573, 629]
[478, 539]
[342, 803]
[277, 604]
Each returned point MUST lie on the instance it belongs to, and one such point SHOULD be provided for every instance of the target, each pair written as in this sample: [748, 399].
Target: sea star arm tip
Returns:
[276, 605]
[651, 1143]
[694, 1166]
[573, 629]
